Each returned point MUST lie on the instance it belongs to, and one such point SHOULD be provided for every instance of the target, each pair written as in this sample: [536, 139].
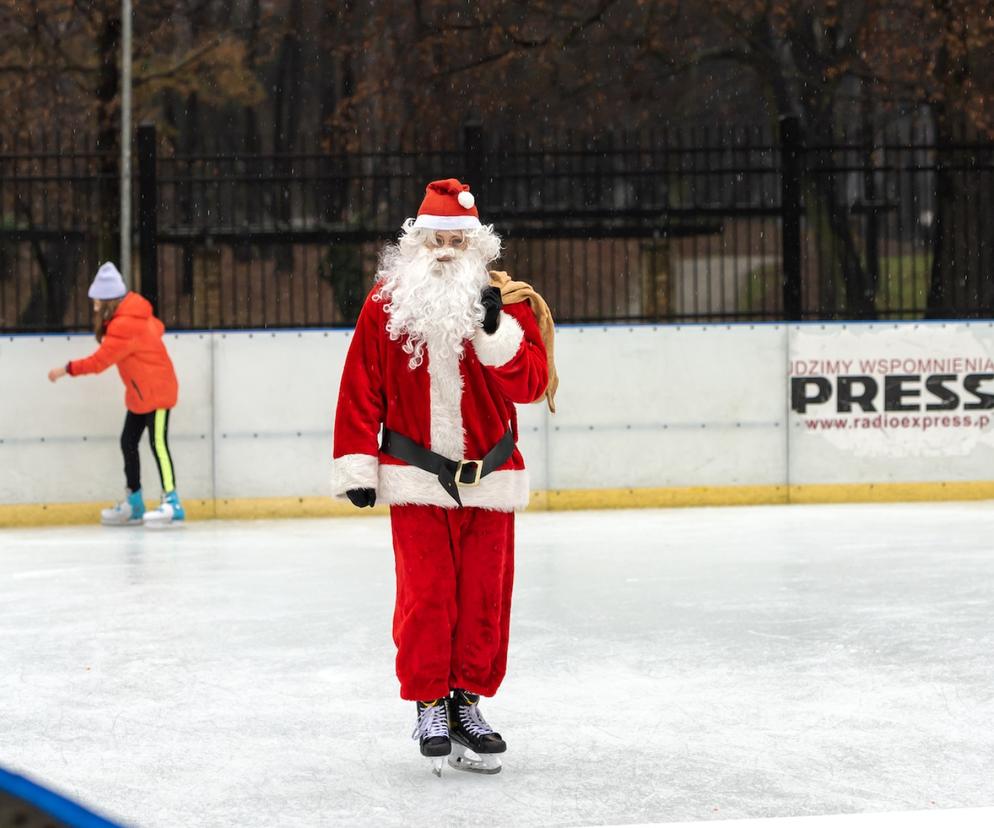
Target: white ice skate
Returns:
[129, 512]
[170, 511]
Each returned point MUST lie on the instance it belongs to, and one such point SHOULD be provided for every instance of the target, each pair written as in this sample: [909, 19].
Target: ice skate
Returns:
[432, 731]
[129, 512]
[169, 511]
[475, 743]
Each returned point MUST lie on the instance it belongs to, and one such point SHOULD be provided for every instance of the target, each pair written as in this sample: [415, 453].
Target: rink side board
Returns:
[60, 443]
[648, 416]
[876, 404]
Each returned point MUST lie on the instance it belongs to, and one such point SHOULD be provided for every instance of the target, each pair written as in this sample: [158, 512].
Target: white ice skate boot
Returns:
[169, 511]
[128, 512]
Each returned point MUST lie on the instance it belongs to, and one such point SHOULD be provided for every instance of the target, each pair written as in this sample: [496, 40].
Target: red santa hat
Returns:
[448, 205]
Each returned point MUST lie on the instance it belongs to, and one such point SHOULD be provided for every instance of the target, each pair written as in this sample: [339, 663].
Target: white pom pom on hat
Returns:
[466, 199]
[107, 284]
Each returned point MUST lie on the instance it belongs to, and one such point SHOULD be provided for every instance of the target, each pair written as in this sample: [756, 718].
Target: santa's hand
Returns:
[56, 373]
[362, 497]
[492, 304]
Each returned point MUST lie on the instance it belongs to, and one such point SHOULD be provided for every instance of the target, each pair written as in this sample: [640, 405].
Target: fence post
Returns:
[148, 214]
[790, 214]
[474, 160]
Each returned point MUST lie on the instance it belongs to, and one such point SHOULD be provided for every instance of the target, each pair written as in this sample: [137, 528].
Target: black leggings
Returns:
[157, 423]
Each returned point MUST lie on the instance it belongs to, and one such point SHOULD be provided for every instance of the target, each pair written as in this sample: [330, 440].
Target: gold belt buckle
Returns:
[479, 473]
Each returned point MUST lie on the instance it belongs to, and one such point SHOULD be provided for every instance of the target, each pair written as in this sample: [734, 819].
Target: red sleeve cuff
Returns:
[69, 368]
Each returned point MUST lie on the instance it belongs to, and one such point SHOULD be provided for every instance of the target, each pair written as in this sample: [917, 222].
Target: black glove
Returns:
[362, 497]
[492, 303]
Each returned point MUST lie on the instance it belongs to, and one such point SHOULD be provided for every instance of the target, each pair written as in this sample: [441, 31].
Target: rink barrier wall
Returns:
[68, 514]
[648, 416]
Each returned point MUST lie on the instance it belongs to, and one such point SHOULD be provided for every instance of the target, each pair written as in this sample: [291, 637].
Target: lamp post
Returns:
[126, 141]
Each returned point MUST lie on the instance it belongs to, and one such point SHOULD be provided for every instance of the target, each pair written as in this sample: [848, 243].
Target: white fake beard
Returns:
[430, 302]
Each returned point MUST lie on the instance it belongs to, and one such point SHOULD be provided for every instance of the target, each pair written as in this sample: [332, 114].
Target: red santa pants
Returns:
[455, 569]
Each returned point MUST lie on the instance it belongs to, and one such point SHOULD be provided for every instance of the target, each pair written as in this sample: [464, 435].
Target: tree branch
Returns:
[192, 58]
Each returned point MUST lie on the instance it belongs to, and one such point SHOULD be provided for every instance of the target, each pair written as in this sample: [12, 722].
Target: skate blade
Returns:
[120, 523]
[436, 765]
[163, 525]
[464, 759]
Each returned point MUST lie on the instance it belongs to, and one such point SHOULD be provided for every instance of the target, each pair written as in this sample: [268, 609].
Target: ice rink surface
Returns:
[665, 666]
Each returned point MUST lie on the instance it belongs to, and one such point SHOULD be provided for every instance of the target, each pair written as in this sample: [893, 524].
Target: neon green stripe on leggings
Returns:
[162, 455]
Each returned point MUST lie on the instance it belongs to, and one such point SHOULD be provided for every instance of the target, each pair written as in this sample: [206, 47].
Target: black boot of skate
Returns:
[475, 743]
[432, 731]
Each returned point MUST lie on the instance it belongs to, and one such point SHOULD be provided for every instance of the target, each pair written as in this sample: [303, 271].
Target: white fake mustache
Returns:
[447, 255]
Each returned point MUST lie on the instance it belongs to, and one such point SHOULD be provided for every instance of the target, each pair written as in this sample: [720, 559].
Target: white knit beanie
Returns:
[108, 283]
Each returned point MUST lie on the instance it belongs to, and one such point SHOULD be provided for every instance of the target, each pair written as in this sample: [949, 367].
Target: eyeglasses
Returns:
[447, 238]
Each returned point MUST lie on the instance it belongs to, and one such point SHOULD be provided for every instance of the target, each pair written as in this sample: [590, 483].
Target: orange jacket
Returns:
[133, 342]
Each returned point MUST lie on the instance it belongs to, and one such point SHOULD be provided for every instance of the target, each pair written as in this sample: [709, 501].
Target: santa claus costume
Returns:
[439, 363]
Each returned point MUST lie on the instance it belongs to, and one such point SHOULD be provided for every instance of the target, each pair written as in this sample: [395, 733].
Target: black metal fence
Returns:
[739, 224]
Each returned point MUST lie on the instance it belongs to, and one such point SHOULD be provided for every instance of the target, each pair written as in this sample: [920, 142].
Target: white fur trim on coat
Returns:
[448, 437]
[499, 348]
[353, 471]
[499, 491]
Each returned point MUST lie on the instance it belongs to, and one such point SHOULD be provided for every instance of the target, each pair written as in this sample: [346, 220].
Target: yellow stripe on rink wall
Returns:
[891, 492]
[68, 514]
[568, 499]
[72, 514]
[758, 495]
[54, 514]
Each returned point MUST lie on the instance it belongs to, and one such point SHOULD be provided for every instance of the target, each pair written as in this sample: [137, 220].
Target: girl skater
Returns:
[131, 338]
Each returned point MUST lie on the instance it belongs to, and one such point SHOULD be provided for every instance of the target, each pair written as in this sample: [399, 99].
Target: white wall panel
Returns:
[274, 411]
[60, 442]
[657, 406]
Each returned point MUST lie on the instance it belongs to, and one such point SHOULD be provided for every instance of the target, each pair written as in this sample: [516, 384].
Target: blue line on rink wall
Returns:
[50, 803]
[835, 323]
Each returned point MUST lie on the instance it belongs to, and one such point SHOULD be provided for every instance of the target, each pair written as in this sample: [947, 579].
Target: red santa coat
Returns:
[459, 408]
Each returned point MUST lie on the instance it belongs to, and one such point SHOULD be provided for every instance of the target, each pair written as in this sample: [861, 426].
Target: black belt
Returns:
[451, 473]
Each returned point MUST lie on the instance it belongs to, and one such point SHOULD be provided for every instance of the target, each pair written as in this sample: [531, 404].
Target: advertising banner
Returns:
[884, 402]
